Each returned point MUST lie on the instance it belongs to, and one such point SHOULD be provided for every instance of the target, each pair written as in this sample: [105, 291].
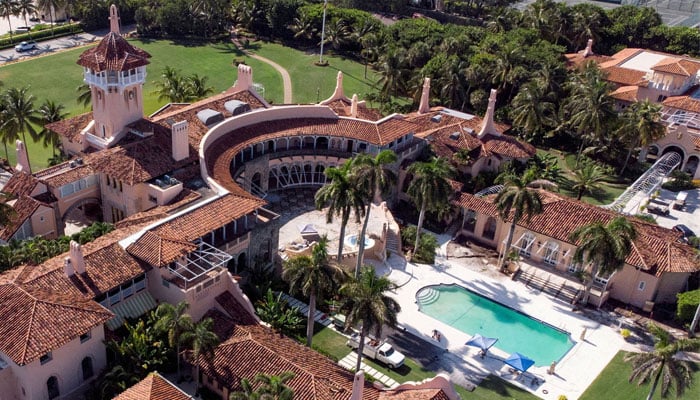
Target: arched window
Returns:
[52, 387]
[551, 253]
[489, 229]
[86, 365]
[525, 244]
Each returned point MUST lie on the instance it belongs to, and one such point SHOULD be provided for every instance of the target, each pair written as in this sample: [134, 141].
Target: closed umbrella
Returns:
[519, 362]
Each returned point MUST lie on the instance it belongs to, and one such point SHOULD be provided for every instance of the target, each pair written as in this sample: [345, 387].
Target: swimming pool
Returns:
[472, 313]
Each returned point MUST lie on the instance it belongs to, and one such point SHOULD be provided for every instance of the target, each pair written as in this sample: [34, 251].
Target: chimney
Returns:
[425, 97]
[358, 385]
[76, 257]
[245, 78]
[180, 144]
[588, 51]
[353, 106]
[22, 158]
[113, 19]
[68, 267]
[488, 127]
[338, 92]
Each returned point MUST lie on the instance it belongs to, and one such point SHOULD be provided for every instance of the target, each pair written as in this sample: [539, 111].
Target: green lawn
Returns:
[332, 343]
[612, 384]
[311, 83]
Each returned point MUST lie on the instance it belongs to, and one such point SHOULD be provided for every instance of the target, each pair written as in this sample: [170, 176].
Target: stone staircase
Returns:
[558, 288]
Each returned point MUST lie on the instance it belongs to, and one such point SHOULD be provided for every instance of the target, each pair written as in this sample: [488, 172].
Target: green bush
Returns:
[680, 181]
[426, 247]
[60, 30]
[687, 304]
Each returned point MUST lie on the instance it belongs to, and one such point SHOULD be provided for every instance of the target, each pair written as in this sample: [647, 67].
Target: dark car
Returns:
[685, 231]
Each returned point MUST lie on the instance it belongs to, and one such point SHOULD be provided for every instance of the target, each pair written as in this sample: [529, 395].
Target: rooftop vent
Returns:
[436, 118]
[210, 117]
[454, 136]
[236, 107]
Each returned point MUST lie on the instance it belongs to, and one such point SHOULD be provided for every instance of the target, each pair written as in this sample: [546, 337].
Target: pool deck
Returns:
[574, 372]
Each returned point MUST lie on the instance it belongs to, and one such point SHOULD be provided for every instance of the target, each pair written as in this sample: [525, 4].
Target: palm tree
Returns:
[604, 246]
[20, 113]
[370, 49]
[51, 112]
[392, 74]
[372, 174]
[203, 341]
[641, 125]
[50, 5]
[26, 7]
[533, 109]
[198, 88]
[9, 8]
[6, 135]
[84, 94]
[172, 86]
[342, 197]
[430, 188]
[662, 363]
[517, 198]
[337, 34]
[313, 277]
[272, 387]
[365, 301]
[587, 178]
[175, 321]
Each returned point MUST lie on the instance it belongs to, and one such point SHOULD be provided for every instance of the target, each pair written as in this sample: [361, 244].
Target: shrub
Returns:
[425, 253]
[680, 181]
[562, 397]
[61, 30]
[625, 333]
[687, 304]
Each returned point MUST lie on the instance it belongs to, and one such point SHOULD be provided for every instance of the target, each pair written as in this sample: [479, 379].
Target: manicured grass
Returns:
[612, 384]
[332, 343]
[57, 76]
[311, 83]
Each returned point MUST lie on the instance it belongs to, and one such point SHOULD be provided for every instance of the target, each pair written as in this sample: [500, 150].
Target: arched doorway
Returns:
[322, 143]
[242, 263]
[52, 387]
[86, 366]
[489, 231]
[675, 149]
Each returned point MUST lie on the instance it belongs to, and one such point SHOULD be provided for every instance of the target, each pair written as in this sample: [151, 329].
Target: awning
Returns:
[133, 307]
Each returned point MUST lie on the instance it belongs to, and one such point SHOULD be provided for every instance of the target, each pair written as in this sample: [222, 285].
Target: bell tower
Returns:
[115, 71]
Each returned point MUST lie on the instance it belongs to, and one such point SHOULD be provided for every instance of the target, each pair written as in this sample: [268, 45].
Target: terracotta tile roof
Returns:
[70, 128]
[578, 60]
[342, 108]
[158, 250]
[621, 56]
[414, 394]
[677, 66]
[62, 174]
[23, 207]
[20, 184]
[36, 322]
[153, 387]
[168, 108]
[656, 249]
[686, 101]
[623, 76]
[254, 348]
[626, 93]
[507, 146]
[113, 53]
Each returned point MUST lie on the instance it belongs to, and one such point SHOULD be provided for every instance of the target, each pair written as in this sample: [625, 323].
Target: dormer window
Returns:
[46, 358]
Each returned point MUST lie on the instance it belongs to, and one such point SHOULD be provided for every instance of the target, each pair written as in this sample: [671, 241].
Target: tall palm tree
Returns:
[430, 188]
[373, 176]
[365, 301]
[9, 8]
[342, 197]
[533, 109]
[202, 341]
[370, 49]
[392, 74]
[51, 6]
[662, 364]
[641, 125]
[172, 86]
[20, 113]
[520, 200]
[7, 135]
[175, 321]
[313, 277]
[24, 8]
[49, 112]
[587, 178]
[604, 246]
[198, 87]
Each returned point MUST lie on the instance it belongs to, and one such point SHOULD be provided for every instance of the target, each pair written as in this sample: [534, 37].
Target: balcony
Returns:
[198, 266]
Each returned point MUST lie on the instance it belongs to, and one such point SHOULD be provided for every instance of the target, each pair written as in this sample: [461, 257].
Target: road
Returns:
[56, 45]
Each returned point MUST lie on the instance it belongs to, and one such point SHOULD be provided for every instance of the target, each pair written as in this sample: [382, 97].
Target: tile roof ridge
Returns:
[25, 345]
[639, 254]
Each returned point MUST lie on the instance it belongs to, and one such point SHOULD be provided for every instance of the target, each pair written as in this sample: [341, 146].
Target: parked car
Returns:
[659, 209]
[378, 350]
[22, 29]
[685, 231]
[681, 197]
[25, 46]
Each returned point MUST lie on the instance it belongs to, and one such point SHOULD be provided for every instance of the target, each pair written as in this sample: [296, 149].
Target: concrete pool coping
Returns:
[573, 374]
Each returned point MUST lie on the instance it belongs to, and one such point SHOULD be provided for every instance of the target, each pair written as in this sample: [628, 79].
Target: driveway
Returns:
[689, 215]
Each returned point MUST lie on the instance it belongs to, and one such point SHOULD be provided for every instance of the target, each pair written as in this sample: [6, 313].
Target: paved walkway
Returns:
[320, 317]
[350, 361]
[286, 79]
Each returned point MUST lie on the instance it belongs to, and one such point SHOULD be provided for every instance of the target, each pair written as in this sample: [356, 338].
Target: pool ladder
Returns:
[427, 296]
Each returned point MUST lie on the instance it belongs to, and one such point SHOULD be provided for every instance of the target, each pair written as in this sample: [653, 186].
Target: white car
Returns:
[25, 46]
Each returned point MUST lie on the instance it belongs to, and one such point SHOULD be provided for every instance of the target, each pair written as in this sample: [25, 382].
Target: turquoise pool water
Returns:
[472, 313]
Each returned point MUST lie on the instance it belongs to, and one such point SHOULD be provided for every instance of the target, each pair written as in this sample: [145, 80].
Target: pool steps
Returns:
[427, 296]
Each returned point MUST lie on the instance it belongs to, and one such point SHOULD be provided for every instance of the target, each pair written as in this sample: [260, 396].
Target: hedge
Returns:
[687, 304]
[58, 31]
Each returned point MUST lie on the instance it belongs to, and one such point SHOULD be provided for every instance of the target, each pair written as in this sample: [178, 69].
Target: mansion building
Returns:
[186, 188]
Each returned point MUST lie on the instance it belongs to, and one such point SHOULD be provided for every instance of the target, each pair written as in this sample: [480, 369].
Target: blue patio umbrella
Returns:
[519, 362]
[484, 343]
